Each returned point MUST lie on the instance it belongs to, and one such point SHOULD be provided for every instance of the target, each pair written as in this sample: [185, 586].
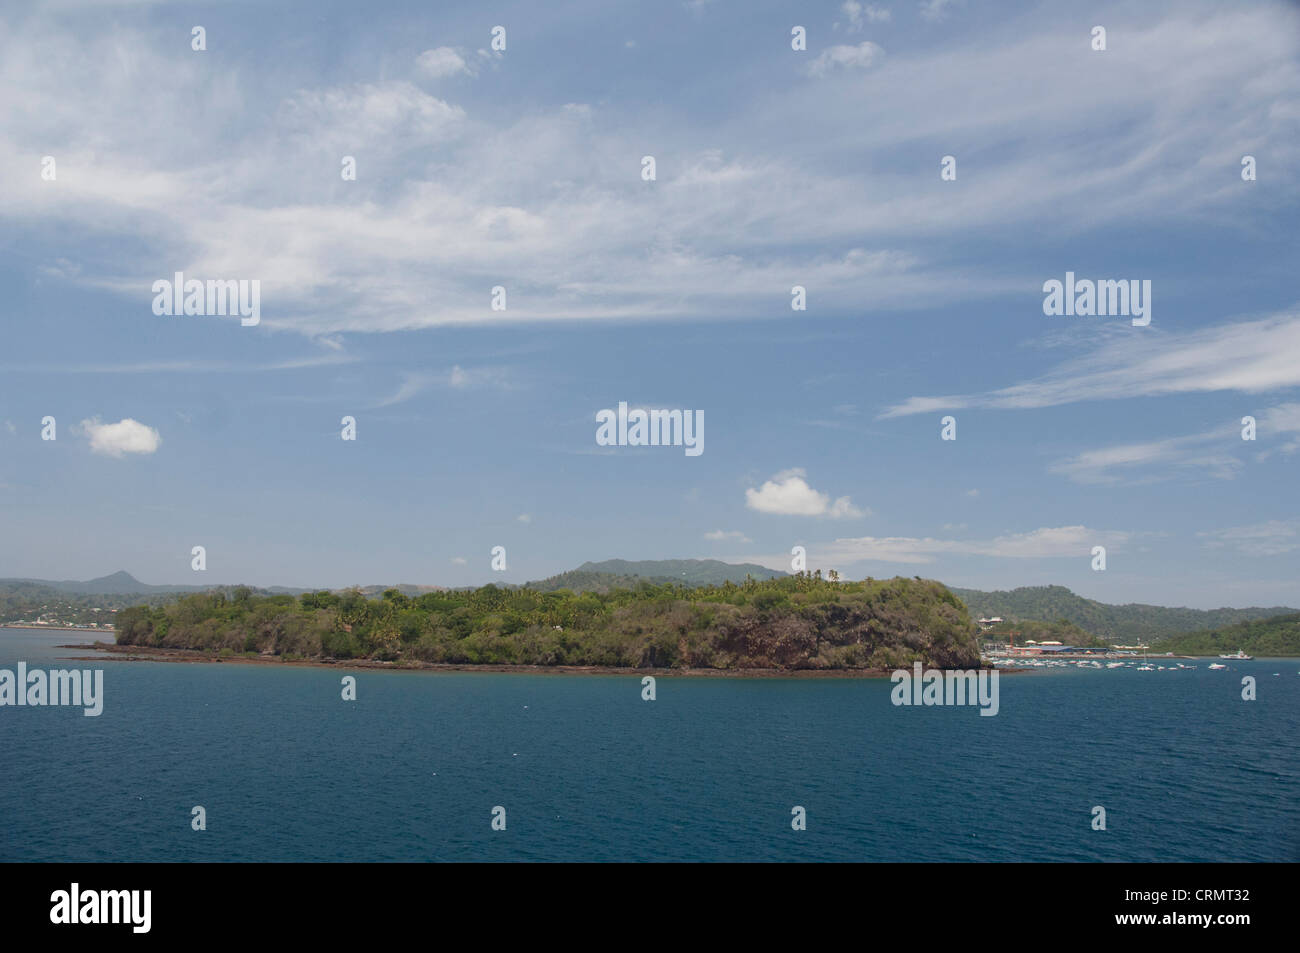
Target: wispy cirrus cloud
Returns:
[412, 385]
[1247, 356]
[1204, 453]
[1268, 538]
[1282, 421]
[1049, 542]
[184, 366]
[443, 196]
[719, 536]
[1218, 452]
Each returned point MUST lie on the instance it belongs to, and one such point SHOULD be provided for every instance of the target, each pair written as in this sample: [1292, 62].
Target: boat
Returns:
[1147, 668]
[1239, 657]
[1215, 666]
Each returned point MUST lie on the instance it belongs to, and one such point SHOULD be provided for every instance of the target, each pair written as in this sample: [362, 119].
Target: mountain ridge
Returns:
[1118, 622]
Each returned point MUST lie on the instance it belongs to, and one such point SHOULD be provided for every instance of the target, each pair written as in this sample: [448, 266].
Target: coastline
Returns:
[135, 653]
[51, 628]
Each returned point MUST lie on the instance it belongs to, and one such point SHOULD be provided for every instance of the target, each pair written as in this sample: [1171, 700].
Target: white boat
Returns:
[1215, 666]
[1146, 668]
[1114, 664]
[1240, 656]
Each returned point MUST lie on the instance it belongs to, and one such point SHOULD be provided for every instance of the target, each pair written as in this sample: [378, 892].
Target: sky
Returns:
[127, 155]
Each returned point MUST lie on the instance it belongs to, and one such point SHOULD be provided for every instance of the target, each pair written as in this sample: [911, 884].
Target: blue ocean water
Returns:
[586, 770]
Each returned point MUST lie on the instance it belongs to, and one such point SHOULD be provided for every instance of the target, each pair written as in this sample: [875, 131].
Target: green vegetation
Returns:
[581, 580]
[30, 601]
[794, 622]
[1125, 625]
[1278, 636]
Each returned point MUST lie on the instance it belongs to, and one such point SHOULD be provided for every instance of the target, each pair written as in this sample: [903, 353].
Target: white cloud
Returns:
[1284, 421]
[1270, 538]
[345, 118]
[459, 560]
[935, 10]
[524, 518]
[125, 436]
[186, 366]
[442, 197]
[412, 384]
[1043, 543]
[440, 62]
[845, 57]
[1196, 451]
[1246, 356]
[972, 493]
[860, 14]
[718, 535]
[789, 494]
[498, 378]
[1213, 452]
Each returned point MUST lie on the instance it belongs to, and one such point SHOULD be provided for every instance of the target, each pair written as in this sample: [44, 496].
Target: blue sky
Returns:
[774, 168]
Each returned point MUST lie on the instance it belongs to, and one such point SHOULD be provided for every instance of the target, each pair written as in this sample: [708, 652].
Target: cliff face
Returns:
[790, 623]
[890, 625]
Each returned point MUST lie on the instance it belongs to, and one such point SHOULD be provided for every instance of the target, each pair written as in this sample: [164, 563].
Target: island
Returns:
[794, 623]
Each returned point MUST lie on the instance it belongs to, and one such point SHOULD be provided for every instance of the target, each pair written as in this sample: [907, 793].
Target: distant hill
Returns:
[611, 574]
[74, 601]
[1124, 624]
[1275, 636]
[374, 592]
[692, 572]
[122, 583]
[118, 584]
[580, 580]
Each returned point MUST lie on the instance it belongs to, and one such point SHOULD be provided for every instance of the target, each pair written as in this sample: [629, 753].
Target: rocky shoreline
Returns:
[135, 653]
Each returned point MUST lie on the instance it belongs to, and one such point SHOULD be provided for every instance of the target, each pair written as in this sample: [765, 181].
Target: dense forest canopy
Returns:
[1278, 636]
[1125, 624]
[793, 622]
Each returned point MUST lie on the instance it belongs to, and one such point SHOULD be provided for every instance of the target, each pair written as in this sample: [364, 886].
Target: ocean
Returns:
[586, 770]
